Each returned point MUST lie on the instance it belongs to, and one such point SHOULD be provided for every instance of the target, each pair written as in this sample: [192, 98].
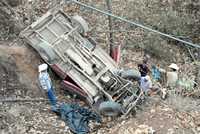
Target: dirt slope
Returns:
[18, 69]
[18, 80]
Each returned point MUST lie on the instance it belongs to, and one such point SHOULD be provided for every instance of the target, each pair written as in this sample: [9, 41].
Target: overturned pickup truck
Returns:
[85, 68]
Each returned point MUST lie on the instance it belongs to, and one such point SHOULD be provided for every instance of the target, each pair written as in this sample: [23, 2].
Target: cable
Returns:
[134, 23]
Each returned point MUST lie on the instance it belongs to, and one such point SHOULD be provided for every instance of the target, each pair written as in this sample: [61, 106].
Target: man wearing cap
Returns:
[170, 77]
[46, 84]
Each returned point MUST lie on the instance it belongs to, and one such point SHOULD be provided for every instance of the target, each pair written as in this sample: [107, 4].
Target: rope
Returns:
[134, 23]
[23, 100]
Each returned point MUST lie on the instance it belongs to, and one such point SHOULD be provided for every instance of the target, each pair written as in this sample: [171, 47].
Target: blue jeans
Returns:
[52, 97]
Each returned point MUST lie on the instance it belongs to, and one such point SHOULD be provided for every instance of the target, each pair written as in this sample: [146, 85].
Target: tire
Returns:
[46, 52]
[130, 74]
[79, 21]
[109, 108]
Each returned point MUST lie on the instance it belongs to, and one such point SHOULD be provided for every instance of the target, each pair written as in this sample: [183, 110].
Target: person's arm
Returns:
[139, 67]
[43, 84]
[147, 67]
[162, 70]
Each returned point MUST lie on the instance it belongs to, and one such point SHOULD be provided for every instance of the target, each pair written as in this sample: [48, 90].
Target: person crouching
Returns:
[145, 81]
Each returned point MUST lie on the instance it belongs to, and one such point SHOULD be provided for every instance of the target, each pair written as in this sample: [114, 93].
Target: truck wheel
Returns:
[130, 74]
[110, 108]
[79, 21]
[46, 52]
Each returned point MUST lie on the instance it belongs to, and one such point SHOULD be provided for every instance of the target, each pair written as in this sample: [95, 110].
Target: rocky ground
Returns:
[18, 68]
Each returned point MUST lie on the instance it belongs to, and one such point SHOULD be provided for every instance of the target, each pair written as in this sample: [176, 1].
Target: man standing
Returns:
[46, 84]
[172, 75]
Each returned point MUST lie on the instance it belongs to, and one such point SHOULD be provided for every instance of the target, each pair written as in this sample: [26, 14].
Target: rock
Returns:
[176, 127]
[144, 129]
[161, 126]
[153, 111]
[15, 111]
[198, 129]
[61, 124]
[170, 131]
[13, 3]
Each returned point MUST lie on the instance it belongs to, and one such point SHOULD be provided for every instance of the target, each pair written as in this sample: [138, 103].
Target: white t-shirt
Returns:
[172, 78]
[45, 81]
[145, 83]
